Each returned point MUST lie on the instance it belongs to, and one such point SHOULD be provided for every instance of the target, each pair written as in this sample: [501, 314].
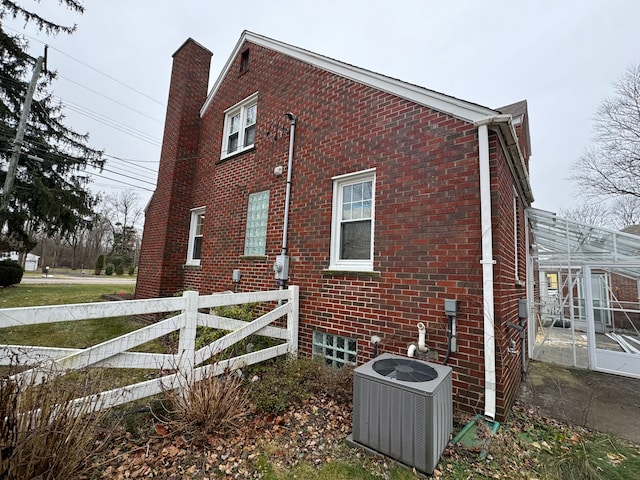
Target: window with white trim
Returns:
[255, 240]
[240, 126]
[335, 349]
[353, 221]
[195, 236]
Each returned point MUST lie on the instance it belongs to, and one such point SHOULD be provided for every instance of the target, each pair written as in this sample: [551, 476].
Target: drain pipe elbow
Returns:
[411, 351]
[422, 346]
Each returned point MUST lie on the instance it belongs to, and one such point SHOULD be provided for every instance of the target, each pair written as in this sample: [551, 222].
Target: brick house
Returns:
[399, 198]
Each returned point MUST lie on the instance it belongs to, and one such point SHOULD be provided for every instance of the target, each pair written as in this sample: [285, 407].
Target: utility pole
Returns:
[17, 144]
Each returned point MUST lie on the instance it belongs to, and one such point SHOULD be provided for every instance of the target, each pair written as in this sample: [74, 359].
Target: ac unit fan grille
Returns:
[405, 369]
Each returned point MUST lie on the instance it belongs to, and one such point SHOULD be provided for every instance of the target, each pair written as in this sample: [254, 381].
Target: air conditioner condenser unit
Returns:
[403, 408]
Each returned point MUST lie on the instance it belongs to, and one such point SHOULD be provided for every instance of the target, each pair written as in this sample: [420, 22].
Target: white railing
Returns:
[115, 353]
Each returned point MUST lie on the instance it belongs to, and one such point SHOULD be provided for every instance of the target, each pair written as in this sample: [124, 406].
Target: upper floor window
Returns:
[255, 241]
[195, 236]
[353, 221]
[240, 126]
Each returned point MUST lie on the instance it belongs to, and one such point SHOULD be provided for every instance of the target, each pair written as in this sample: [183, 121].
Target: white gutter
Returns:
[487, 273]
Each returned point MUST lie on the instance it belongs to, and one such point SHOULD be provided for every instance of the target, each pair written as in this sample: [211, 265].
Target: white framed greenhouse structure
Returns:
[584, 302]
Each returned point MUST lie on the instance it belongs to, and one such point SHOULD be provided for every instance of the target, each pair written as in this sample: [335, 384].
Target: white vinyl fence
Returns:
[115, 353]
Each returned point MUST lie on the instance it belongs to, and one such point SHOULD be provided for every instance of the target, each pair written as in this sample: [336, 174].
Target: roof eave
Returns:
[455, 107]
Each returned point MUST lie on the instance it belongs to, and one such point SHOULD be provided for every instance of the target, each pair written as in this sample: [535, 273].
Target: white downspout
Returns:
[487, 274]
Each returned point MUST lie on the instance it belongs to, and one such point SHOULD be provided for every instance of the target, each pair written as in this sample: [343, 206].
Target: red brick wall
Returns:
[509, 288]
[624, 296]
[164, 240]
[427, 217]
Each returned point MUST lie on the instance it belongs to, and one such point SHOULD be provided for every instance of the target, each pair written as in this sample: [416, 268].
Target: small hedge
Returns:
[10, 273]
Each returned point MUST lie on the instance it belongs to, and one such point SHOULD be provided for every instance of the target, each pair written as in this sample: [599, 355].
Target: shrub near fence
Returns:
[10, 273]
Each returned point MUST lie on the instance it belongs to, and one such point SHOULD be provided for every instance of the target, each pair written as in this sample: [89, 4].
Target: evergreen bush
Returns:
[119, 268]
[10, 273]
[109, 269]
[99, 264]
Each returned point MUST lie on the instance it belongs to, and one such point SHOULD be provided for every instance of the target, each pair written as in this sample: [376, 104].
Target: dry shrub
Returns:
[206, 407]
[286, 382]
[44, 434]
[336, 383]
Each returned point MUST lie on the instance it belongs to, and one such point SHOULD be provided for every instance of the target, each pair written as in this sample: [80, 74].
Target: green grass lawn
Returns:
[76, 334]
[30, 295]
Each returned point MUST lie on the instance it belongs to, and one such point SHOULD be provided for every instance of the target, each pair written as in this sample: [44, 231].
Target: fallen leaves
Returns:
[314, 433]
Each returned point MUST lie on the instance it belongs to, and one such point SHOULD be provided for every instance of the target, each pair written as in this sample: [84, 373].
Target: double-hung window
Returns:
[255, 240]
[353, 221]
[240, 126]
[195, 236]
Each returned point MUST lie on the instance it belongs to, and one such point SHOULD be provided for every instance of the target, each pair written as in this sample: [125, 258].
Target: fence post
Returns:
[292, 319]
[187, 343]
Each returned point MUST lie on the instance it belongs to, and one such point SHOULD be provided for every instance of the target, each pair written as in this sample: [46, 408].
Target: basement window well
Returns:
[336, 350]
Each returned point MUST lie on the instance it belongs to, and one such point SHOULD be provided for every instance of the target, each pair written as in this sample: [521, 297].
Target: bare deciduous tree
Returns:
[123, 212]
[590, 213]
[625, 211]
[611, 167]
[616, 214]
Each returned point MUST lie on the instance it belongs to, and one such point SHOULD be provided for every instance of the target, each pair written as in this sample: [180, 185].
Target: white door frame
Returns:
[620, 363]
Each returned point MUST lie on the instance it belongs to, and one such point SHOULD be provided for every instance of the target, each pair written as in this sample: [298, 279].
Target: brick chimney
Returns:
[167, 217]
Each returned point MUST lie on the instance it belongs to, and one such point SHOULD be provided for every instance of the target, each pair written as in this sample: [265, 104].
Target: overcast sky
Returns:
[561, 56]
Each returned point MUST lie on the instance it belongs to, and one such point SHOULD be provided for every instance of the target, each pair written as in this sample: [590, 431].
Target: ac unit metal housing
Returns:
[403, 408]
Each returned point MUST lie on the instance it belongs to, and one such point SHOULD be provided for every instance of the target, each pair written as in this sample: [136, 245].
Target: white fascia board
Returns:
[443, 103]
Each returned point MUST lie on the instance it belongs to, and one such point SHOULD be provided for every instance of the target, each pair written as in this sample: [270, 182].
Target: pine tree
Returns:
[50, 191]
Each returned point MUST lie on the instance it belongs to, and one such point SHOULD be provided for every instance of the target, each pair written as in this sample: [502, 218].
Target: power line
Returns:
[133, 160]
[88, 66]
[125, 162]
[132, 164]
[110, 122]
[121, 182]
[129, 176]
[140, 135]
[117, 102]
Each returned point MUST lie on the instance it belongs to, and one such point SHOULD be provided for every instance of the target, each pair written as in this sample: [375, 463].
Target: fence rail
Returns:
[191, 311]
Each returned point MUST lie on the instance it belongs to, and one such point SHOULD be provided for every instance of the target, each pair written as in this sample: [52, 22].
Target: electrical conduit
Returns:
[292, 133]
